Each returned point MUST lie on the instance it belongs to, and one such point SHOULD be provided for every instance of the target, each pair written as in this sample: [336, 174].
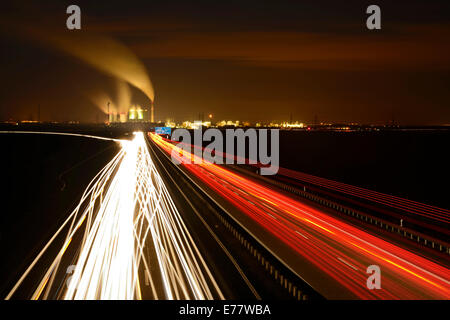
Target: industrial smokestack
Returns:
[152, 112]
[109, 114]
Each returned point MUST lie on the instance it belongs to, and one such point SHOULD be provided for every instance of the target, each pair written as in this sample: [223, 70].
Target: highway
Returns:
[146, 228]
[124, 224]
[240, 274]
[135, 235]
[328, 253]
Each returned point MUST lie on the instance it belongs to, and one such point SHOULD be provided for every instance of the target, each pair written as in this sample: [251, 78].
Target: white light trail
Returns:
[132, 230]
[61, 134]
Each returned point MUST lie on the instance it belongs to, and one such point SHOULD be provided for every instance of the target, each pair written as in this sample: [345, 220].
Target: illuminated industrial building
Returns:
[135, 113]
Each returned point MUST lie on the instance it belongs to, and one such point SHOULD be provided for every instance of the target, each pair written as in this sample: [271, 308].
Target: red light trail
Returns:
[341, 251]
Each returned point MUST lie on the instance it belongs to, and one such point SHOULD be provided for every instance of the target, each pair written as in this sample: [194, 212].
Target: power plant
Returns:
[135, 113]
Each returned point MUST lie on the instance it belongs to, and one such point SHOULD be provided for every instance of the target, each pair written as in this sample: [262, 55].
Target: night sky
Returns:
[239, 60]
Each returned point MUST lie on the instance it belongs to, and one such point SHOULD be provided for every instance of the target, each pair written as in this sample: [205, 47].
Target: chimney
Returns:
[152, 114]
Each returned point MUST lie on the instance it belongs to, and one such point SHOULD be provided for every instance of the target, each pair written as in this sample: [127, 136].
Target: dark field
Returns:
[43, 179]
[409, 164]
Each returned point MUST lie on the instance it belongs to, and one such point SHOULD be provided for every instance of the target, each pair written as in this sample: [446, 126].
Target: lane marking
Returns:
[272, 216]
[301, 234]
[348, 264]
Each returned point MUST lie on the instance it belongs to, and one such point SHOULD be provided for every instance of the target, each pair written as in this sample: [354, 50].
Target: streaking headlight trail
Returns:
[337, 249]
[129, 234]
